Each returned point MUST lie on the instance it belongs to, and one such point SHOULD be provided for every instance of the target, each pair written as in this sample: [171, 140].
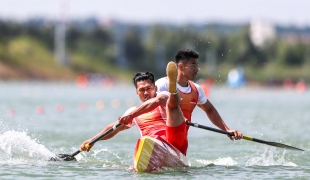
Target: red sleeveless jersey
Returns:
[152, 123]
[189, 101]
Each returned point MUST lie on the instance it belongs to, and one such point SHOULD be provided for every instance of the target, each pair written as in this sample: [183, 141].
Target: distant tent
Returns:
[236, 77]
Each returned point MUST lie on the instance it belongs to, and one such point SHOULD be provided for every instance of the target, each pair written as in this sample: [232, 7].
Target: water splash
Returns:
[269, 159]
[220, 161]
[18, 147]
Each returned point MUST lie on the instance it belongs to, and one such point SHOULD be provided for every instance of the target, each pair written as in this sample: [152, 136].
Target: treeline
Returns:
[149, 47]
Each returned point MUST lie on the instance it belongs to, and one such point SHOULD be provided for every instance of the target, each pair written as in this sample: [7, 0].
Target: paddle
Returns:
[70, 157]
[244, 137]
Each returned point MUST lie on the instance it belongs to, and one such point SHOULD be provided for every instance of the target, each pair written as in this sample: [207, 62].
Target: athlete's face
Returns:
[190, 68]
[146, 90]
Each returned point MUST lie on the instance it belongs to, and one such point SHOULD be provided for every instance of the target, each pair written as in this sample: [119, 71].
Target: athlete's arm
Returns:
[209, 109]
[108, 136]
[213, 115]
[217, 120]
[147, 106]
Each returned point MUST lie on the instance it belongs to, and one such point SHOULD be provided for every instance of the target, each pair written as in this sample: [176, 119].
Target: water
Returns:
[70, 115]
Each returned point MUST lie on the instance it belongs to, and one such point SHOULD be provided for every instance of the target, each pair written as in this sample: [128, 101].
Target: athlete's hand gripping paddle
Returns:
[70, 157]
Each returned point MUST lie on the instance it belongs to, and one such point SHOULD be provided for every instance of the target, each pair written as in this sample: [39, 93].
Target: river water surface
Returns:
[39, 120]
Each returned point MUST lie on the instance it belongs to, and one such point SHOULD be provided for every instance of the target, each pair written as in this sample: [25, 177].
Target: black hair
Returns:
[185, 54]
[142, 76]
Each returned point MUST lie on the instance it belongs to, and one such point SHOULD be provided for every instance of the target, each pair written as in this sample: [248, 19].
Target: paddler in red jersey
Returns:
[159, 116]
[192, 94]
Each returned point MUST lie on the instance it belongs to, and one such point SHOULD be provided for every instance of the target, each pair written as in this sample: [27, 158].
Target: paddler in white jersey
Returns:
[159, 116]
[192, 94]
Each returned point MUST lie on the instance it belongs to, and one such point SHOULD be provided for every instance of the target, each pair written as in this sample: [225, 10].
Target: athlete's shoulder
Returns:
[202, 98]
[196, 85]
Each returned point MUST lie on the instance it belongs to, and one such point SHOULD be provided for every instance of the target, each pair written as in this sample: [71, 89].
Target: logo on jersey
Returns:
[193, 101]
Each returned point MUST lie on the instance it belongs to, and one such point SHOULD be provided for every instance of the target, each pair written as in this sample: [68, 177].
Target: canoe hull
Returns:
[152, 154]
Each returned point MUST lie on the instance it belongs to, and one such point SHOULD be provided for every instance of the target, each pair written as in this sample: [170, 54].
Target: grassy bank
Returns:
[26, 59]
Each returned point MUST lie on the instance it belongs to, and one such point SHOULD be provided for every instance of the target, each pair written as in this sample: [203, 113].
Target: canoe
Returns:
[152, 154]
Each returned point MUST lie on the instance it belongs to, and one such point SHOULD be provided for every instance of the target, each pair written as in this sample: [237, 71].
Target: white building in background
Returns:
[261, 32]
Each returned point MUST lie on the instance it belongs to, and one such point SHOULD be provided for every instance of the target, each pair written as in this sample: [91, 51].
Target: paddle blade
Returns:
[283, 146]
[63, 157]
[271, 143]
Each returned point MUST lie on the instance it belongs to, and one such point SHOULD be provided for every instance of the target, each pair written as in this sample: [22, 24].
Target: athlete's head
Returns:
[145, 85]
[185, 55]
[187, 61]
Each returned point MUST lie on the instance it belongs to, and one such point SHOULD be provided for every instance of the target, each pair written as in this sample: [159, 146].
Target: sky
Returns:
[282, 12]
